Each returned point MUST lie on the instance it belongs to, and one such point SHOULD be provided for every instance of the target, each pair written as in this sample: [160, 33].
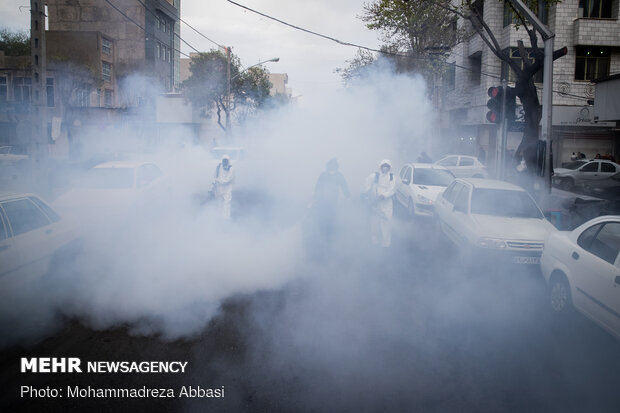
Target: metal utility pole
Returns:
[543, 182]
[38, 145]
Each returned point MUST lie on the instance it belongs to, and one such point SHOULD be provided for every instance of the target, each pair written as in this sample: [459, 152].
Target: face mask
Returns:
[385, 169]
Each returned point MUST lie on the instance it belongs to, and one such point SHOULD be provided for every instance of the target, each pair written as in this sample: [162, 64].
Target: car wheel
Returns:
[559, 295]
[411, 208]
[567, 184]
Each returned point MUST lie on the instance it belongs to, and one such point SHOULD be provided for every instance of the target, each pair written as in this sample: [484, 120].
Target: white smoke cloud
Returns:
[165, 265]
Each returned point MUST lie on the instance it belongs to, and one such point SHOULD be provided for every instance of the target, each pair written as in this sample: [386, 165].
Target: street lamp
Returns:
[274, 59]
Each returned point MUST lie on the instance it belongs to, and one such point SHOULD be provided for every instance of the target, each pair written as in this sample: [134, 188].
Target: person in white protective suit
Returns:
[223, 184]
[380, 188]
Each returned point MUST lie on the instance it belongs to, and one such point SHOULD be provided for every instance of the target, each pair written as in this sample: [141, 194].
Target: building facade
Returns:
[145, 35]
[591, 32]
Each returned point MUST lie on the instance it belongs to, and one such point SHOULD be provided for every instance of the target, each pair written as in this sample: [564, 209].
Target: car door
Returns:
[614, 298]
[403, 191]
[466, 166]
[588, 172]
[607, 170]
[593, 270]
[448, 216]
[32, 236]
[461, 218]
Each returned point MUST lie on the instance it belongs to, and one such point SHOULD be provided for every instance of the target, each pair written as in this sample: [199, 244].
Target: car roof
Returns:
[227, 148]
[121, 164]
[490, 184]
[10, 195]
[425, 166]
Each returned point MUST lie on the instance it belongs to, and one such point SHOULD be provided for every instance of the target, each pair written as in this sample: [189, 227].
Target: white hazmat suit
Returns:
[223, 184]
[380, 188]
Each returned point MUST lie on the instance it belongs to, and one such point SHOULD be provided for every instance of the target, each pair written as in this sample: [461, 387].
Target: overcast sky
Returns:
[310, 61]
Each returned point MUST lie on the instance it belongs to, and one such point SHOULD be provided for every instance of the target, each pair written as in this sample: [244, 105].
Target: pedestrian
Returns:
[573, 157]
[380, 188]
[324, 207]
[223, 184]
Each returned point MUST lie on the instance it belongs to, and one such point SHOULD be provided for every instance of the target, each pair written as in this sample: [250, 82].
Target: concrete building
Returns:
[591, 32]
[278, 85]
[145, 34]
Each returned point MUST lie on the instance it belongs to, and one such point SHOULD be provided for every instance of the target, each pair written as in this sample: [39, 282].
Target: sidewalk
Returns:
[568, 210]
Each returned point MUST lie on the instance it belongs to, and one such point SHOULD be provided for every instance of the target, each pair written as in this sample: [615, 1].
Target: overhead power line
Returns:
[344, 43]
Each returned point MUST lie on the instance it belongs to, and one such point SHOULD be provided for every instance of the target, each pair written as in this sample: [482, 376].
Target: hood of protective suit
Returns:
[385, 162]
[226, 157]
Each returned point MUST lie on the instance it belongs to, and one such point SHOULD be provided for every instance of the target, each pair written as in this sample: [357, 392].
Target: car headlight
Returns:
[424, 200]
[486, 242]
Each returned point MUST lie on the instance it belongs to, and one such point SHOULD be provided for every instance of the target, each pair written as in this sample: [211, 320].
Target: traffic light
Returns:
[511, 104]
[494, 115]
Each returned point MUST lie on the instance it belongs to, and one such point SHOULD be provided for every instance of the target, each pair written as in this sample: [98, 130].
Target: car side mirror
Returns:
[406, 181]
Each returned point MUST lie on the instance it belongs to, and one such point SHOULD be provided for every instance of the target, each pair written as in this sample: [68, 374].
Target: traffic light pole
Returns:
[543, 183]
[503, 136]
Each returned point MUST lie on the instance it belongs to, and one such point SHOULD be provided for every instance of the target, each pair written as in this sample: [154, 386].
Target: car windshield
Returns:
[108, 178]
[432, 177]
[504, 203]
[574, 164]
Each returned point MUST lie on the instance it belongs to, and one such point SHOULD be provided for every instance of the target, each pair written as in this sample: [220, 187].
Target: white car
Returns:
[596, 169]
[418, 186]
[464, 166]
[109, 185]
[30, 234]
[492, 220]
[582, 270]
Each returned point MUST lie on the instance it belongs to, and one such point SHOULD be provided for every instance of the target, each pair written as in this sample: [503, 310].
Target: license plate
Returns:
[526, 260]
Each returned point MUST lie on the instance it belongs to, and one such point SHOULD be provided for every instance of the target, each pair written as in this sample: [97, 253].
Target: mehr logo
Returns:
[51, 365]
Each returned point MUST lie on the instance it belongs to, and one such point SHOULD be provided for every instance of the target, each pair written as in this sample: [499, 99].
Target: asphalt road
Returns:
[364, 330]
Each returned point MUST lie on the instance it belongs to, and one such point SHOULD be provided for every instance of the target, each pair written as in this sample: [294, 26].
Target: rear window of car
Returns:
[504, 203]
[24, 216]
[465, 161]
[53, 216]
[608, 167]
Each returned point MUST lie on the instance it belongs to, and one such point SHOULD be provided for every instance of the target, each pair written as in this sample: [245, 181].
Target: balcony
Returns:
[597, 32]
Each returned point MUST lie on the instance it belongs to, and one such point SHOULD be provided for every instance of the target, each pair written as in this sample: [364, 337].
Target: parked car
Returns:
[606, 188]
[492, 220]
[418, 186]
[582, 271]
[31, 232]
[595, 169]
[464, 166]
[108, 185]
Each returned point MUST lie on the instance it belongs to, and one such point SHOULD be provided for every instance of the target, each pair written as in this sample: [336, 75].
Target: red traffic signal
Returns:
[496, 93]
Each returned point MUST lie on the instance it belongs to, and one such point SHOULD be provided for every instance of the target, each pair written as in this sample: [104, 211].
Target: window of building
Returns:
[168, 55]
[49, 89]
[158, 50]
[595, 9]
[108, 97]
[475, 62]
[22, 87]
[82, 96]
[451, 76]
[106, 71]
[510, 17]
[509, 74]
[592, 62]
[106, 46]
[4, 90]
